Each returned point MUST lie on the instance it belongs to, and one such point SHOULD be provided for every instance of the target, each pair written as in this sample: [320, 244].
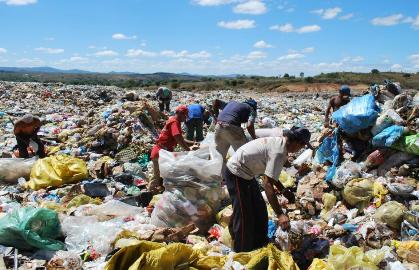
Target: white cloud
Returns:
[288, 28]
[19, 2]
[3, 50]
[30, 61]
[213, 2]
[396, 66]
[106, 53]
[254, 7]
[75, 59]
[120, 36]
[185, 54]
[414, 59]
[291, 56]
[353, 59]
[239, 24]
[49, 50]
[415, 22]
[139, 52]
[329, 13]
[346, 17]
[388, 21]
[262, 45]
[256, 55]
[49, 39]
[308, 50]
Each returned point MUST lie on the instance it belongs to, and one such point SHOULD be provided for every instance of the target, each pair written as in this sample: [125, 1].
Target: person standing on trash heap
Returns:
[26, 130]
[164, 96]
[265, 156]
[170, 136]
[217, 106]
[228, 131]
[336, 102]
[195, 122]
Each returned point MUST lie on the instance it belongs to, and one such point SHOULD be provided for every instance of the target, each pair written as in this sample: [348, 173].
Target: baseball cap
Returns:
[300, 134]
[345, 90]
[182, 109]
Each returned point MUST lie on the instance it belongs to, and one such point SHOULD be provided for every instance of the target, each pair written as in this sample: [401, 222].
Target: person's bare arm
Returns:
[273, 201]
[251, 130]
[185, 144]
[327, 115]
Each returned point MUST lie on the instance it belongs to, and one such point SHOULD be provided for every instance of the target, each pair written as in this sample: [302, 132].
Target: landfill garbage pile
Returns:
[86, 205]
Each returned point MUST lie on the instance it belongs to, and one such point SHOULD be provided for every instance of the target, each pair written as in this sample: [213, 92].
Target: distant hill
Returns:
[42, 70]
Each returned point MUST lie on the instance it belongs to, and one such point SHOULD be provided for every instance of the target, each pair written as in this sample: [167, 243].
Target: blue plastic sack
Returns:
[271, 229]
[357, 115]
[388, 136]
[329, 151]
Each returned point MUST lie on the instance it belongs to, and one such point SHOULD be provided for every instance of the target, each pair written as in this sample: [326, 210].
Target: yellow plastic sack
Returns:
[318, 264]
[391, 213]
[56, 171]
[329, 200]
[223, 217]
[359, 192]
[342, 258]
[152, 256]
[404, 248]
[82, 200]
[286, 180]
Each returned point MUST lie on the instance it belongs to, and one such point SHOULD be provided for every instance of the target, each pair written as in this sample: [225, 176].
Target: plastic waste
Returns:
[56, 171]
[31, 228]
[192, 184]
[65, 260]
[223, 217]
[391, 213]
[388, 136]
[358, 114]
[408, 144]
[359, 192]
[347, 171]
[329, 151]
[305, 157]
[11, 169]
[388, 118]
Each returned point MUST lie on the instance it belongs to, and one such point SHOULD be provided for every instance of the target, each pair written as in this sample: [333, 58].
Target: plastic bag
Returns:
[112, 208]
[358, 114]
[192, 182]
[329, 151]
[347, 171]
[388, 136]
[359, 192]
[11, 169]
[305, 157]
[345, 258]
[408, 144]
[385, 120]
[223, 217]
[392, 161]
[31, 228]
[56, 171]
[391, 213]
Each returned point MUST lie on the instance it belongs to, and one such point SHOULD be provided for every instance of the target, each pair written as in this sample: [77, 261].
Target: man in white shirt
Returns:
[265, 156]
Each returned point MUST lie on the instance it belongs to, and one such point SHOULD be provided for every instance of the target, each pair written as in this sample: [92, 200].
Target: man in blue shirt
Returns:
[228, 131]
[195, 122]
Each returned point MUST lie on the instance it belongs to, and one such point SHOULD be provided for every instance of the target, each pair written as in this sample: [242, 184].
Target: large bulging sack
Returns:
[31, 228]
[11, 169]
[357, 115]
[391, 213]
[56, 171]
[359, 192]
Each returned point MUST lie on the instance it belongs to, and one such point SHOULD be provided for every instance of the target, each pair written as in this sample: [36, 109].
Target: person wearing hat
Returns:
[170, 136]
[228, 131]
[265, 156]
[164, 96]
[336, 102]
[26, 131]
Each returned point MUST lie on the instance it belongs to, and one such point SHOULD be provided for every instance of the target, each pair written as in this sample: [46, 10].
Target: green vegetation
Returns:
[189, 82]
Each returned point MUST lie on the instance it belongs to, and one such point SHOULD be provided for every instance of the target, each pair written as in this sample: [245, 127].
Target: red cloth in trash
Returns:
[166, 138]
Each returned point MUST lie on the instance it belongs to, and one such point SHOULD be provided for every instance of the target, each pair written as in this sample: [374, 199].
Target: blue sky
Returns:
[264, 37]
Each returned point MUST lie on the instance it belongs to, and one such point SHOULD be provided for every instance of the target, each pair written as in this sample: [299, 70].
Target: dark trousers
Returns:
[249, 223]
[23, 144]
[164, 103]
[195, 129]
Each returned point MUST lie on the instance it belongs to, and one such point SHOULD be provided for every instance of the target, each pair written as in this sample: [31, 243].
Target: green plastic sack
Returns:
[391, 213]
[31, 228]
[56, 171]
[408, 144]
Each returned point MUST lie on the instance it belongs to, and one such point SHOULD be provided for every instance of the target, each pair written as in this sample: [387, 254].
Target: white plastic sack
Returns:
[385, 120]
[305, 157]
[11, 169]
[192, 182]
[112, 208]
[346, 172]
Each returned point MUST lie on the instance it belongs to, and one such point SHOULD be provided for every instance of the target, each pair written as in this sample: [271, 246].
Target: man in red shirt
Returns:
[170, 136]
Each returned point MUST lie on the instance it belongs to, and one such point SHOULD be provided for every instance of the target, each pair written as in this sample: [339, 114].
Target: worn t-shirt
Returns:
[167, 136]
[261, 156]
[236, 113]
[195, 111]
[268, 132]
